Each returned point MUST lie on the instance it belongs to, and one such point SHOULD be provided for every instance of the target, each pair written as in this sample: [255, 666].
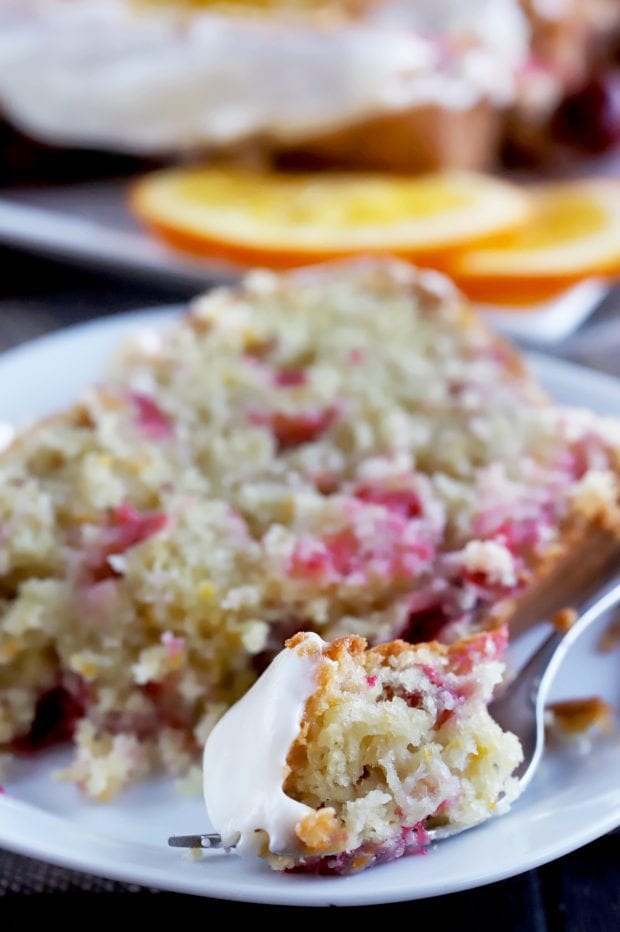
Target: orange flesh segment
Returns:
[282, 219]
[572, 234]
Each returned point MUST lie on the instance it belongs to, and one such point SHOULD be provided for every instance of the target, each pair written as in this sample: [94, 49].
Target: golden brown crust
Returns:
[423, 138]
[398, 648]
[320, 831]
[351, 644]
[564, 576]
[302, 644]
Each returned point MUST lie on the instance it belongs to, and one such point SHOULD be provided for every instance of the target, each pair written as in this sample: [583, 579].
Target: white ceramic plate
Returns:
[90, 224]
[574, 799]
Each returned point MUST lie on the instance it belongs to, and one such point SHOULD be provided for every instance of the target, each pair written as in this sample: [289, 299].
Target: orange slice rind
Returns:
[573, 233]
[284, 219]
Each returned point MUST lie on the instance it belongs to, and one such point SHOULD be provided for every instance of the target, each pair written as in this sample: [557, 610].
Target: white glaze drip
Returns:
[168, 80]
[245, 755]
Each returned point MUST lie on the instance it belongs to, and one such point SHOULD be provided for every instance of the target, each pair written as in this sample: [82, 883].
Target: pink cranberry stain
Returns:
[289, 378]
[417, 833]
[516, 534]
[403, 502]
[292, 429]
[440, 683]
[127, 528]
[336, 555]
[174, 645]
[433, 676]
[371, 681]
[485, 646]
[443, 717]
[410, 840]
[130, 527]
[388, 553]
[153, 422]
[344, 552]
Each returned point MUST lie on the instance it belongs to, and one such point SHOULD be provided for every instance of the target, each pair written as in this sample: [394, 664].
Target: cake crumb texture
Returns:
[344, 450]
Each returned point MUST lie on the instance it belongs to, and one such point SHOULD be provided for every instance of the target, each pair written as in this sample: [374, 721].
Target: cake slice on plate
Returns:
[348, 756]
[345, 450]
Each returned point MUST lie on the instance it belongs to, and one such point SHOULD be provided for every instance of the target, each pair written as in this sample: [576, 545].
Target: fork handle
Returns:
[521, 707]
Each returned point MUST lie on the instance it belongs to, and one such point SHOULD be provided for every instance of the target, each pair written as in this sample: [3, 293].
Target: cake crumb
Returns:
[596, 497]
[564, 620]
[492, 559]
[610, 638]
[572, 717]
[195, 854]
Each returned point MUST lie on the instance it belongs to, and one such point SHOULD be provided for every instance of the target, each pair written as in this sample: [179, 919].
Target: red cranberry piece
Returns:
[56, 715]
[134, 527]
[401, 501]
[289, 378]
[424, 625]
[292, 430]
[589, 118]
[151, 419]
[127, 528]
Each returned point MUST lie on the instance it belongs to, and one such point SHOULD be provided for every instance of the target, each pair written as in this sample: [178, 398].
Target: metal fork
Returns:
[520, 708]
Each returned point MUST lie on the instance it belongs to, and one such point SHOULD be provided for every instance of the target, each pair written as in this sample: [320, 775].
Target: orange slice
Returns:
[573, 233]
[280, 219]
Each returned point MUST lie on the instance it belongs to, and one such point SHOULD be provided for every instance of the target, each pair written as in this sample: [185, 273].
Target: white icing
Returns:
[245, 755]
[99, 72]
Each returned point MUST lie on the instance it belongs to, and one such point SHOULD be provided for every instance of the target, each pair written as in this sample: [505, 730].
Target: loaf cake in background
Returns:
[344, 449]
[389, 84]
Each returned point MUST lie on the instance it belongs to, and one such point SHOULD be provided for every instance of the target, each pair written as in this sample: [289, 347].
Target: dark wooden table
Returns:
[578, 893]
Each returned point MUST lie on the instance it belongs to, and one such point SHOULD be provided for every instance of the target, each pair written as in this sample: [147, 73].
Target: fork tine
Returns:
[211, 840]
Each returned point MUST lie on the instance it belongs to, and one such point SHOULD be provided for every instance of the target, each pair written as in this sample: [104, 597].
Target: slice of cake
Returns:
[350, 755]
[345, 450]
